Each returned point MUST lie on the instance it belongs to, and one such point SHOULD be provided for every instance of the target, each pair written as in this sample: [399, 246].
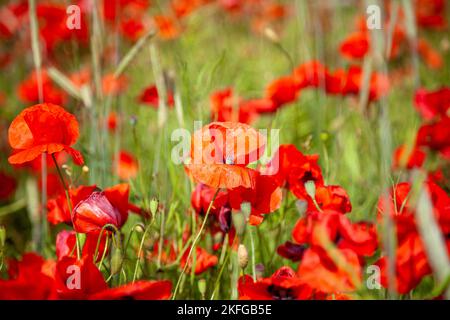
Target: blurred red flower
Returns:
[29, 90]
[150, 96]
[432, 104]
[284, 284]
[126, 166]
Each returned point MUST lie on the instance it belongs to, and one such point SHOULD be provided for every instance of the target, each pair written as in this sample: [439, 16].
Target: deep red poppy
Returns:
[150, 96]
[336, 228]
[29, 279]
[291, 251]
[43, 128]
[436, 136]
[355, 46]
[284, 284]
[431, 13]
[78, 279]
[432, 58]
[282, 91]
[8, 184]
[432, 104]
[139, 290]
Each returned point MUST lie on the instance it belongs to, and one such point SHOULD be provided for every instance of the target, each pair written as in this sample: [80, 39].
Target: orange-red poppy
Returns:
[43, 128]
[220, 152]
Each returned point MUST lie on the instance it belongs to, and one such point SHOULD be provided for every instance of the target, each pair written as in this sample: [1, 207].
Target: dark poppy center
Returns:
[280, 293]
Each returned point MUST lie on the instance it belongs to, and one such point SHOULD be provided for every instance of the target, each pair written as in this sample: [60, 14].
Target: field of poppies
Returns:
[224, 149]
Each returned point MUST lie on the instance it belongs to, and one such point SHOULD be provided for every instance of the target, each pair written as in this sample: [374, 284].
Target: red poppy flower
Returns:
[355, 46]
[284, 284]
[292, 169]
[58, 210]
[139, 290]
[378, 87]
[220, 152]
[113, 121]
[203, 260]
[336, 228]
[78, 279]
[225, 106]
[150, 96]
[302, 171]
[409, 159]
[326, 276]
[202, 196]
[436, 136]
[66, 245]
[432, 104]
[168, 27]
[113, 9]
[29, 279]
[8, 184]
[265, 197]
[315, 74]
[43, 128]
[330, 198]
[29, 92]
[431, 13]
[127, 166]
[282, 91]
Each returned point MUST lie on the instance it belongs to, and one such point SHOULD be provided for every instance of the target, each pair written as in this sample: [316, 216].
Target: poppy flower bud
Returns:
[310, 188]
[85, 169]
[242, 256]
[246, 209]
[116, 260]
[154, 204]
[239, 222]
[94, 213]
[202, 287]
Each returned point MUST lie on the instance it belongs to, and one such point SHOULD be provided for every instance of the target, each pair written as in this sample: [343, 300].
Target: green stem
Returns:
[193, 245]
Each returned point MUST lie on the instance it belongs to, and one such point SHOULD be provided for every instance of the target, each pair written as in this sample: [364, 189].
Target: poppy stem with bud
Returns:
[69, 203]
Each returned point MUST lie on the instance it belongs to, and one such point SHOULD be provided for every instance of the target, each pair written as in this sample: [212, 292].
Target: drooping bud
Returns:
[271, 35]
[242, 256]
